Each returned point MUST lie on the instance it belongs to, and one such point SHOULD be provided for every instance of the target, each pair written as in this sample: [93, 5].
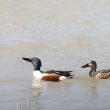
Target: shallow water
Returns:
[64, 35]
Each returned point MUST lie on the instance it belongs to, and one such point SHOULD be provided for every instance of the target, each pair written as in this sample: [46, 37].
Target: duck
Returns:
[102, 74]
[51, 75]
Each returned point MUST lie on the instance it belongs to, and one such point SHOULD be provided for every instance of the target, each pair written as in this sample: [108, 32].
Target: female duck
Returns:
[51, 75]
[102, 74]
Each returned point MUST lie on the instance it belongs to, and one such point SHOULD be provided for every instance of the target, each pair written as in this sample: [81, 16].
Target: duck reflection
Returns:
[36, 87]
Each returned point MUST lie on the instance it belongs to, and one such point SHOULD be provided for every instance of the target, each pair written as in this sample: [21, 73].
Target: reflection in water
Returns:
[93, 93]
[36, 87]
[91, 87]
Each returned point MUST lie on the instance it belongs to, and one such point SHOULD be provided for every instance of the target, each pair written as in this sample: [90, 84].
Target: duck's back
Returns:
[103, 74]
[61, 73]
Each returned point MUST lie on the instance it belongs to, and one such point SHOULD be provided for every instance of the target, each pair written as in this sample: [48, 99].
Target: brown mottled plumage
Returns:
[102, 74]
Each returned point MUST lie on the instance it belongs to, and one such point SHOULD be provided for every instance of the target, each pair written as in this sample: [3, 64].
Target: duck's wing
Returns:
[103, 74]
[61, 73]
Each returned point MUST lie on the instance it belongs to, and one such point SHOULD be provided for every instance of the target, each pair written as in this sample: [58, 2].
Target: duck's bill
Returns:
[86, 65]
[27, 59]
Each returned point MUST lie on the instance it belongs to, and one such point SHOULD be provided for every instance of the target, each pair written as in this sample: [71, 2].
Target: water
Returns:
[64, 35]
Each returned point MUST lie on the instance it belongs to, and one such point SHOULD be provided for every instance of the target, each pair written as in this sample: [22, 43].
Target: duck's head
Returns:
[92, 65]
[35, 61]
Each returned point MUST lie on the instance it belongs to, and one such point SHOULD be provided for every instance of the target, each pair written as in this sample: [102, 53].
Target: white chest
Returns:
[38, 74]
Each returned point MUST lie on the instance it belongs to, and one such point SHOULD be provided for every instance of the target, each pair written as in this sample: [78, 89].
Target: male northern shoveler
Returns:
[51, 75]
[102, 74]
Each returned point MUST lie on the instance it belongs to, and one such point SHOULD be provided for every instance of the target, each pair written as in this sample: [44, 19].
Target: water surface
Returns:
[64, 35]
